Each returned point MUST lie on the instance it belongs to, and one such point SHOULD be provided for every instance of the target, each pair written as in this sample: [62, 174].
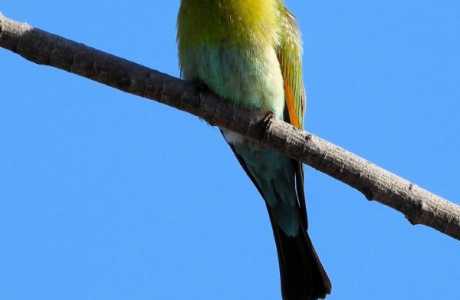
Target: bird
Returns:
[249, 52]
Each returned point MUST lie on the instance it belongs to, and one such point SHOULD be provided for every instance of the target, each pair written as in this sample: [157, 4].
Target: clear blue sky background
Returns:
[104, 195]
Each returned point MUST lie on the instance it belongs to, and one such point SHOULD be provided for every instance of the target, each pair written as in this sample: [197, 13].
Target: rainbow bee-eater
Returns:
[249, 52]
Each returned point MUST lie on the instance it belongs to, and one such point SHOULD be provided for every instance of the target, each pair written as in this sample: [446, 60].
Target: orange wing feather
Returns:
[291, 107]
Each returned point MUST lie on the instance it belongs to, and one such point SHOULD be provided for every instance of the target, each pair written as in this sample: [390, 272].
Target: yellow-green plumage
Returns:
[239, 21]
[249, 52]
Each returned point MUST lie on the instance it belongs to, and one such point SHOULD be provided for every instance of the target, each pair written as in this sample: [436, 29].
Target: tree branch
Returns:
[417, 204]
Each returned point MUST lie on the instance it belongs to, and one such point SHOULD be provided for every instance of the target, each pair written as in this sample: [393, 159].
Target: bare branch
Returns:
[417, 204]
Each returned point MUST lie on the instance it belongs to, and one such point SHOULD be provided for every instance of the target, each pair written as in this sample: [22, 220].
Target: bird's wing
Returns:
[289, 54]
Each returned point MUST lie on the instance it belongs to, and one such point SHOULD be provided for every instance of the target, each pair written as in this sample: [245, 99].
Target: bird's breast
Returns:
[250, 77]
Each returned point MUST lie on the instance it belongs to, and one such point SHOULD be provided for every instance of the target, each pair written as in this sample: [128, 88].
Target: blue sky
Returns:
[104, 195]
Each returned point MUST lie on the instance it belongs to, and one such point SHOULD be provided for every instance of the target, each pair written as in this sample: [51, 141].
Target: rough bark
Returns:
[417, 204]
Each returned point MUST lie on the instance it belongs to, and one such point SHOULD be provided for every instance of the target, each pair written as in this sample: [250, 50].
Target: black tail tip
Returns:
[302, 274]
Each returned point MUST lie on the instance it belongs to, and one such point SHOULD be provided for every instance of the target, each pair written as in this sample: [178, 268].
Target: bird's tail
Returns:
[302, 275]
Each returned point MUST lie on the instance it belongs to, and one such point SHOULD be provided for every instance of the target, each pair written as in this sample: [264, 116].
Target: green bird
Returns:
[249, 52]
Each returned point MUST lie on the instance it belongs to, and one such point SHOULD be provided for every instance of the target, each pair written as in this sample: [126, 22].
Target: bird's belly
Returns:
[249, 77]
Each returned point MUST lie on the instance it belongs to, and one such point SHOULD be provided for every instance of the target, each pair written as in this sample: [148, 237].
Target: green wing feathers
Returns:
[290, 57]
